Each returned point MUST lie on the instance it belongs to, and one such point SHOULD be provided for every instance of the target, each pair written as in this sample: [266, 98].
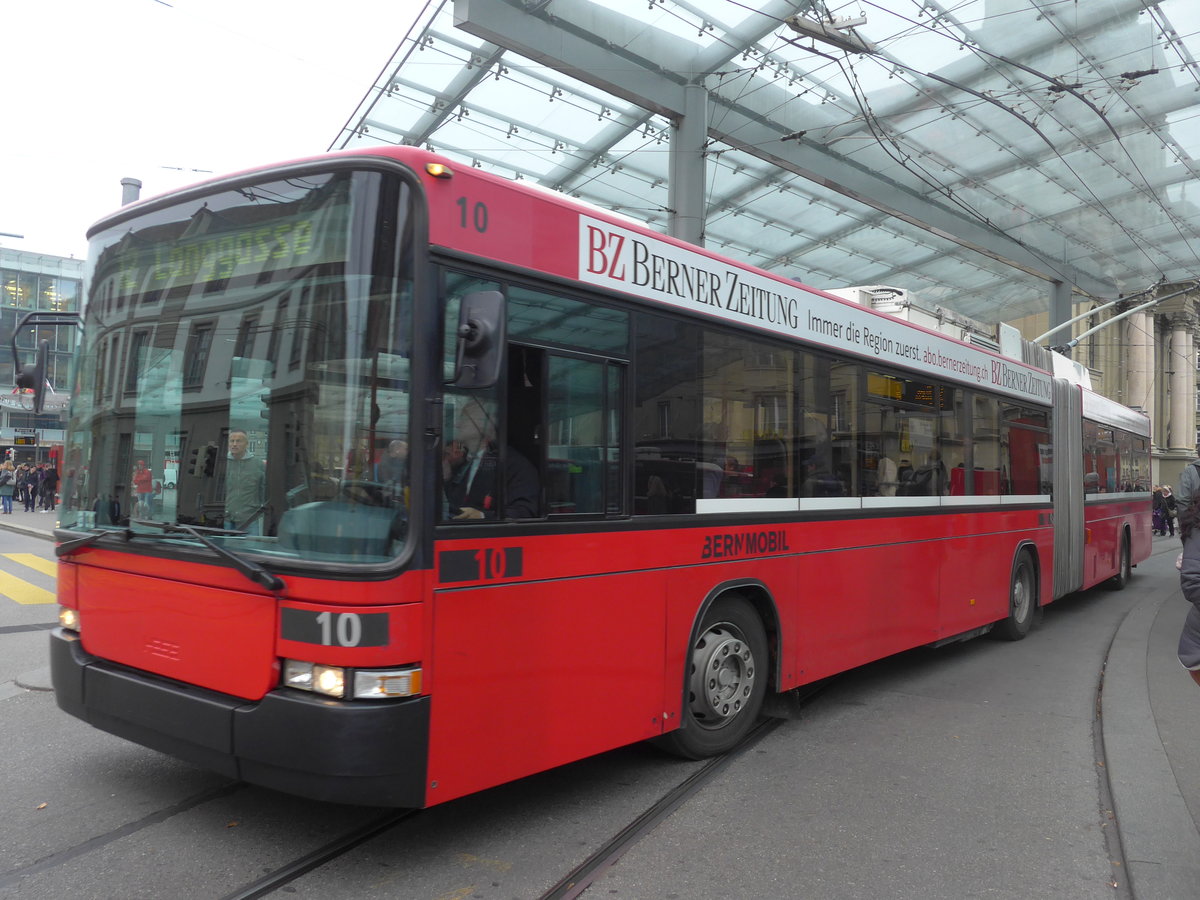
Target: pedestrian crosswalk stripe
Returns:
[23, 592]
[45, 566]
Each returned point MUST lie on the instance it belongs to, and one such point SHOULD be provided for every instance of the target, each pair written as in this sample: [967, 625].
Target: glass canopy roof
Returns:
[972, 152]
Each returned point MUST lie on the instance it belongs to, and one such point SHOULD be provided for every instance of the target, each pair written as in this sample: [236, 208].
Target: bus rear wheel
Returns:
[1022, 601]
[1125, 571]
[727, 681]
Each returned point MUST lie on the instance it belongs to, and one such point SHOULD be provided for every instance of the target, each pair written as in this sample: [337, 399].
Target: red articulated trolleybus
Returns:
[471, 480]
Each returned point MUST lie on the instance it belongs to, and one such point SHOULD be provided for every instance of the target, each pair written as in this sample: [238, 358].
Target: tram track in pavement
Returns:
[587, 872]
[62, 857]
[581, 876]
[327, 853]
[778, 709]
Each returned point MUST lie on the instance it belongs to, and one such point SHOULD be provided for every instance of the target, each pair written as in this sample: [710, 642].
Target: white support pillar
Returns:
[1182, 366]
[1139, 338]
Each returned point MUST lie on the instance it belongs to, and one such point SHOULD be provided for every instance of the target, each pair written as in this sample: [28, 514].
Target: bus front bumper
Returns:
[365, 753]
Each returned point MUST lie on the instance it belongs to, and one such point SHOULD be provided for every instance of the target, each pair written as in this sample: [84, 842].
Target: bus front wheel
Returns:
[727, 681]
[1022, 601]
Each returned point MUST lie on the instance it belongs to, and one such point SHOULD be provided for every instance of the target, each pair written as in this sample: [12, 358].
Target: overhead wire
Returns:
[1134, 239]
[869, 119]
[906, 160]
[764, 54]
[1149, 189]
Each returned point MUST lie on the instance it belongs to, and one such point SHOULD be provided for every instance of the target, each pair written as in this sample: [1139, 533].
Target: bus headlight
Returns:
[366, 684]
[306, 676]
[329, 680]
[68, 618]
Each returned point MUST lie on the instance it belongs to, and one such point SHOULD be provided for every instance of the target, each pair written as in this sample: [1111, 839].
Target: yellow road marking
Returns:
[23, 592]
[45, 566]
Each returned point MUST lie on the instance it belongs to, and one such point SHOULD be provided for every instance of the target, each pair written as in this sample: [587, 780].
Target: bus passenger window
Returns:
[577, 447]
[666, 415]
[985, 445]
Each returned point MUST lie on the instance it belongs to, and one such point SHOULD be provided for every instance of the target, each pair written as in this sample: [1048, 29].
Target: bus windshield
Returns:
[244, 371]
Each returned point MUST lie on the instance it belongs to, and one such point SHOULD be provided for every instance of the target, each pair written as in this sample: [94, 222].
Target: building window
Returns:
[133, 369]
[246, 335]
[198, 347]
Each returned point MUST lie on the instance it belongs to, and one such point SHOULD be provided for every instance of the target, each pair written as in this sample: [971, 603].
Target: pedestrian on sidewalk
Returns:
[1189, 483]
[27, 485]
[8, 484]
[50, 489]
[1189, 582]
[143, 489]
[1170, 507]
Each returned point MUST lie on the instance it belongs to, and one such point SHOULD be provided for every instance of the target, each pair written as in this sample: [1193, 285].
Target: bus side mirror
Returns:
[33, 375]
[481, 334]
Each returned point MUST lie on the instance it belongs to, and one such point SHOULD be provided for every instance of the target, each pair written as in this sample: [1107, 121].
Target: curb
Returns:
[28, 530]
[1158, 833]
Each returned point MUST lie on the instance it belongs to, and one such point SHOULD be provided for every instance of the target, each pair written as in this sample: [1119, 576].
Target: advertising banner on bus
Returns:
[621, 259]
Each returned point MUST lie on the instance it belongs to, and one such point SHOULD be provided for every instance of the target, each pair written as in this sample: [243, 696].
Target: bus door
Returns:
[546, 648]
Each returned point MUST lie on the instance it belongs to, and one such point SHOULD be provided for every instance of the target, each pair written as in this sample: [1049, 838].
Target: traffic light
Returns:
[204, 460]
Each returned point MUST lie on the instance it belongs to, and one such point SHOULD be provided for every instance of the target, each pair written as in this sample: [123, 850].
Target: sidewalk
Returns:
[1151, 729]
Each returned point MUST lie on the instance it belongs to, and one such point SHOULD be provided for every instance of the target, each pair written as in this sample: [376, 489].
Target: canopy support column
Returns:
[1182, 366]
[686, 194]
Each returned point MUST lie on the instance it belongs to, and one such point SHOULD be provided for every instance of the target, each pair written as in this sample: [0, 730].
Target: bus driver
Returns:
[469, 466]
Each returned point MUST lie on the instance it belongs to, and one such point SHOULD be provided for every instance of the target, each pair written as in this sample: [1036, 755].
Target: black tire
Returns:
[1125, 572]
[1022, 600]
[726, 681]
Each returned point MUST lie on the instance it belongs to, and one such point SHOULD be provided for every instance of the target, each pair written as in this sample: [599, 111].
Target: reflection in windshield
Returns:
[244, 370]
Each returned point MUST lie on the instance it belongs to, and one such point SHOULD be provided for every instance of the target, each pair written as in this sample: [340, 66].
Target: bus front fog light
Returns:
[380, 684]
[298, 674]
[329, 680]
[68, 618]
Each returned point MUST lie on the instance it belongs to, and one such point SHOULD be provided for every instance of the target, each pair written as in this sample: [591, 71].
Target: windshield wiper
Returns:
[251, 570]
[66, 548]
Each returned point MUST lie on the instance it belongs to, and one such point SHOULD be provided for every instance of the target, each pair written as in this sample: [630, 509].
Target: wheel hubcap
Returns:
[1020, 598]
[723, 673]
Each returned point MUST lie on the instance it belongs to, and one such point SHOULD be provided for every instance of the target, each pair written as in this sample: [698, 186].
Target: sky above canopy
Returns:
[168, 91]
